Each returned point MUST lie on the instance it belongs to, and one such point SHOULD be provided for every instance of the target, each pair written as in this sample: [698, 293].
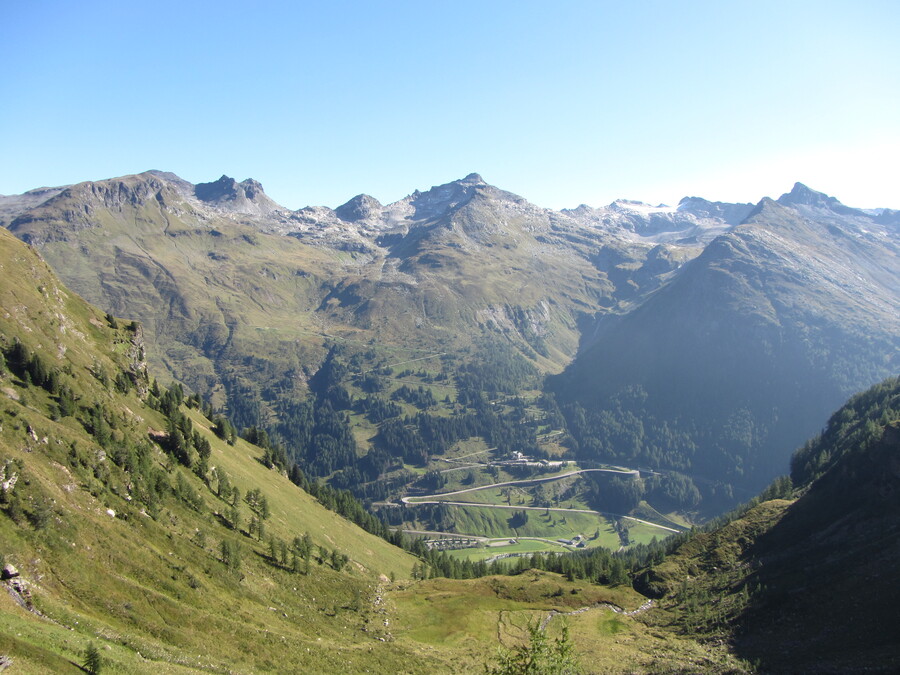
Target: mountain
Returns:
[13, 205]
[695, 221]
[741, 356]
[708, 338]
[217, 271]
[805, 586]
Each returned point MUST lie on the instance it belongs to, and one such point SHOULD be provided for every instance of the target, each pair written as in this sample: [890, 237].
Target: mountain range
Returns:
[707, 338]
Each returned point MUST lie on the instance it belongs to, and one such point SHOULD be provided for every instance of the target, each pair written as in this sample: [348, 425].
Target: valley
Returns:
[390, 438]
[612, 328]
[369, 340]
[553, 533]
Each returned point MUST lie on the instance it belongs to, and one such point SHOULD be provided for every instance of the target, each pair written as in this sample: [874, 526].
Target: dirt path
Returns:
[601, 605]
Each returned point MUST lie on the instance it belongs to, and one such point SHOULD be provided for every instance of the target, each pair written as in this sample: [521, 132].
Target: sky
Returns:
[563, 103]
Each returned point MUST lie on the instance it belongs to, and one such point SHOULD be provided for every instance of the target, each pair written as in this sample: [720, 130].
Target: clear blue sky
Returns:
[563, 103]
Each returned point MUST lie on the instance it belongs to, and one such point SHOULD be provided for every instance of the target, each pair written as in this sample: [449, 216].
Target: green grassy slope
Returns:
[471, 617]
[143, 576]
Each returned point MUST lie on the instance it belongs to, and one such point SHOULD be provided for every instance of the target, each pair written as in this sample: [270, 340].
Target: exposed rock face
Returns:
[9, 572]
[245, 197]
[361, 207]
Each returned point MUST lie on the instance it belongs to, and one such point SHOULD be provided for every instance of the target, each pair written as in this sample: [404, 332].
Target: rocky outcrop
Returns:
[246, 197]
[361, 207]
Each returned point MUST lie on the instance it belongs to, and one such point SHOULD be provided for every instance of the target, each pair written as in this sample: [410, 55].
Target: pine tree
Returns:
[234, 517]
[93, 662]
[231, 554]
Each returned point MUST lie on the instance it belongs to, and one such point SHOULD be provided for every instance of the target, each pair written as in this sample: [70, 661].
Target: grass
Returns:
[149, 591]
[363, 431]
[295, 512]
[469, 616]
[640, 533]
[494, 523]
[503, 546]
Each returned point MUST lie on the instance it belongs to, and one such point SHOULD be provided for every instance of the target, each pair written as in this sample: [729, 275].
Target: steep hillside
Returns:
[808, 585]
[119, 537]
[744, 354]
[202, 281]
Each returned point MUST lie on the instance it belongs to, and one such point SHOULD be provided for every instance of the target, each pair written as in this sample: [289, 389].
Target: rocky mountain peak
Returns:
[361, 207]
[472, 179]
[803, 198]
[247, 196]
[802, 195]
[252, 188]
[441, 199]
[226, 188]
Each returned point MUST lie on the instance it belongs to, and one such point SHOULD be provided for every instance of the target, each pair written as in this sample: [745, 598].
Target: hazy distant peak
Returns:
[690, 203]
[639, 206]
[472, 179]
[888, 217]
[802, 195]
[580, 210]
[359, 207]
[732, 214]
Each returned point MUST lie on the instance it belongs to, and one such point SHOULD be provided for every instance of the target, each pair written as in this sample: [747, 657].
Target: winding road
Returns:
[438, 498]
[528, 481]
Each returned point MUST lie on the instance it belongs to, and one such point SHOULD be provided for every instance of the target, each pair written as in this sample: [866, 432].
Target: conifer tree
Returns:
[93, 662]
